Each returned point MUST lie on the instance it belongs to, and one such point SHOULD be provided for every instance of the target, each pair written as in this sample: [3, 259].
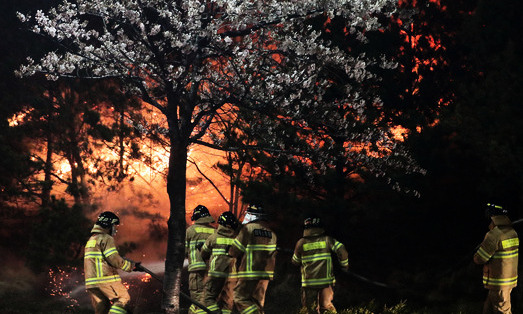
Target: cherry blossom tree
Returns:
[190, 59]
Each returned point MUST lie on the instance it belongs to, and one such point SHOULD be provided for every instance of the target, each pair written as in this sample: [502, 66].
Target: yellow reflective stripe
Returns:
[93, 255]
[500, 281]
[197, 311]
[261, 247]
[510, 243]
[344, 262]
[126, 266]
[218, 251]
[212, 266]
[218, 274]
[336, 246]
[195, 242]
[197, 266]
[213, 307]
[251, 309]
[204, 230]
[97, 280]
[224, 241]
[99, 267]
[90, 244]
[317, 282]
[316, 257]
[314, 245]
[296, 258]
[193, 251]
[110, 252]
[483, 254]
[117, 309]
[238, 245]
[252, 274]
[251, 248]
[224, 311]
[506, 254]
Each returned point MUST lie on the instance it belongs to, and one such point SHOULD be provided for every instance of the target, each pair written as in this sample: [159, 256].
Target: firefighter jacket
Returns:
[499, 254]
[101, 259]
[216, 250]
[313, 254]
[256, 246]
[195, 237]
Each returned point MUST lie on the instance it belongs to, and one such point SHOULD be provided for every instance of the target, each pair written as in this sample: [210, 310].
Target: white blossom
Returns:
[262, 52]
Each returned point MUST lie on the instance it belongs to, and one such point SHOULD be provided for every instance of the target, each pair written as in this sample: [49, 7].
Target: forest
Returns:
[396, 124]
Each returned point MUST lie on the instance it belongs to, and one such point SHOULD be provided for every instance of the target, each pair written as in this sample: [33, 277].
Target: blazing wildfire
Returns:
[393, 122]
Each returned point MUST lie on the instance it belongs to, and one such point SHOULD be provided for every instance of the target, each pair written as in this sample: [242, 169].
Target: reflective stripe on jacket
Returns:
[256, 246]
[102, 260]
[195, 237]
[216, 251]
[499, 254]
[313, 254]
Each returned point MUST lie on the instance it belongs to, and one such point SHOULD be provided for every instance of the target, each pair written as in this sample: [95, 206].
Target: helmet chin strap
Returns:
[113, 230]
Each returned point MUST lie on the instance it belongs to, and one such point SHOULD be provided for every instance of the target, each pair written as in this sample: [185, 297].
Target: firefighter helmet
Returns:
[254, 212]
[227, 219]
[495, 210]
[255, 209]
[199, 212]
[107, 220]
[311, 222]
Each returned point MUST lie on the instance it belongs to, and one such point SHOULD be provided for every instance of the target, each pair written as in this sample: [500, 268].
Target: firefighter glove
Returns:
[138, 266]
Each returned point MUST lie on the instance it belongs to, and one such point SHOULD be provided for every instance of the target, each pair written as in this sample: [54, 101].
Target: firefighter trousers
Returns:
[318, 300]
[196, 286]
[218, 294]
[498, 301]
[249, 295]
[109, 298]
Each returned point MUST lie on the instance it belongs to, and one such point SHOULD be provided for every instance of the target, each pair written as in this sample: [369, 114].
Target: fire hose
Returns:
[347, 272]
[456, 266]
[139, 267]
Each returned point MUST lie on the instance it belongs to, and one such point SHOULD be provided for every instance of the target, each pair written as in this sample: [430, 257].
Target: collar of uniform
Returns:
[204, 220]
[501, 220]
[99, 229]
[312, 232]
[225, 231]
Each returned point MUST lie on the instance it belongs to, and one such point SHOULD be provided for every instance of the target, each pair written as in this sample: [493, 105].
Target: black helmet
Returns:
[495, 210]
[255, 209]
[199, 212]
[311, 222]
[227, 219]
[254, 212]
[107, 220]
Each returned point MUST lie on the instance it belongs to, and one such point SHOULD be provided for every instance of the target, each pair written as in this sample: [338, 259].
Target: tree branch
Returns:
[209, 179]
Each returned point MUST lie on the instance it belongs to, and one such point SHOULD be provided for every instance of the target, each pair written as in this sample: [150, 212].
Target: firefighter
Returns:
[255, 249]
[101, 264]
[498, 253]
[218, 292]
[313, 254]
[195, 237]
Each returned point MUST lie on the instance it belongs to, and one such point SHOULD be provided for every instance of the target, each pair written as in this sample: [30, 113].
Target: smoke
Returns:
[15, 278]
[144, 209]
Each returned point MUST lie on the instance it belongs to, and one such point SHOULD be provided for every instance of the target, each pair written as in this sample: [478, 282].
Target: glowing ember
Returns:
[146, 278]
[62, 282]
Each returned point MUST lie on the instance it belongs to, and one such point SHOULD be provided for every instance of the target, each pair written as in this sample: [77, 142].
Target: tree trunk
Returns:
[48, 168]
[176, 227]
